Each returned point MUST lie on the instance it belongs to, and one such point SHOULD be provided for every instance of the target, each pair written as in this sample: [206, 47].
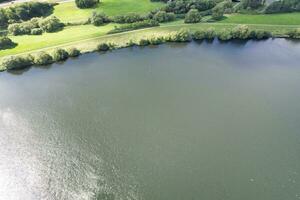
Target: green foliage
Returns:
[225, 35]
[217, 13]
[17, 62]
[260, 34]
[86, 3]
[282, 6]
[163, 16]
[60, 55]
[295, 34]
[193, 16]
[6, 43]
[134, 26]
[36, 31]
[73, 52]
[51, 24]
[128, 18]
[241, 32]
[144, 42]
[183, 6]
[24, 12]
[183, 35]
[23, 28]
[99, 19]
[209, 34]
[103, 47]
[156, 40]
[43, 58]
[252, 4]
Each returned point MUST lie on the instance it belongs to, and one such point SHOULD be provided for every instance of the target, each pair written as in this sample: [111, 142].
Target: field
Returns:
[278, 19]
[68, 12]
[85, 37]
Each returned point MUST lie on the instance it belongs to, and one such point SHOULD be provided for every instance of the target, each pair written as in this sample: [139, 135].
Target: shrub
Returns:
[17, 62]
[294, 34]
[260, 34]
[60, 55]
[224, 35]
[252, 4]
[193, 16]
[241, 32]
[99, 19]
[283, 6]
[182, 35]
[163, 16]
[43, 58]
[36, 31]
[183, 6]
[24, 12]
[129, 18]
[103, 47]
[51, 24]
[73, 52]
[23, 28]
[156, 40]
[6, 43]
[209, 34]
[134, 26]
[144, 42]
[85, 3]
[217, 13]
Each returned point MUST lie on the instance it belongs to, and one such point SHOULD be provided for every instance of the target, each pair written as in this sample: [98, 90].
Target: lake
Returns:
[210, 120]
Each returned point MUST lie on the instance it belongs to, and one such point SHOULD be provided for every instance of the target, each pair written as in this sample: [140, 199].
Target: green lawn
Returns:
[85, 37]
[278, 19]
[69, 34]
[68, 12]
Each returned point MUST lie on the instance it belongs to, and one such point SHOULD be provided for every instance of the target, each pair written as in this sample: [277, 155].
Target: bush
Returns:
[182, 35]
[252, 4]
[103, 47]
[86, 3]
[43, 58]
[217, 13]
[60, 55]
[99, 19]
[283, 6]
[6, 43]
[295, 34]
[224, 35]
[241, 32]
[73, 52]
[144, 42]
[260, 34]
[183, 6]
[193, 16]
[51, 24]
[129, 18]
[134, 26]
[36, 31]
[209, 34]
[17, 62]
[24, 27]
[163, 16]
[24, 12]
[156, 40]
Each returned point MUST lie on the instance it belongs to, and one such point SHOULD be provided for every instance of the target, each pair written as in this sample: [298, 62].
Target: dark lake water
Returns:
[194, 121]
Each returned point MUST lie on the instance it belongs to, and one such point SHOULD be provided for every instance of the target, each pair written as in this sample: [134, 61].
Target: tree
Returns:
[193, 16]
[86, 3]
[217, 13]
[163, 16]
[253, 4]
[99, 19]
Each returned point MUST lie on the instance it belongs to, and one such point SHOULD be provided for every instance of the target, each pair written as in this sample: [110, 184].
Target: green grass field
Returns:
[68, 12]
[274, 19]
[86, 37]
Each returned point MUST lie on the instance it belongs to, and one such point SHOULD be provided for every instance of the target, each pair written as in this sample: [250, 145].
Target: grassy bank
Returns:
[271, 19]
[86, 35]
[68, 12]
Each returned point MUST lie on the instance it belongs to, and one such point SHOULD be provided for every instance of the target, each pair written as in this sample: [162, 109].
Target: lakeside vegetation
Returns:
[116, 22]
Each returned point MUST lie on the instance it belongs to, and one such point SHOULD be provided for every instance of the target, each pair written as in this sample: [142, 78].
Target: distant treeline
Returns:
[23, 12]
[282, 6]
